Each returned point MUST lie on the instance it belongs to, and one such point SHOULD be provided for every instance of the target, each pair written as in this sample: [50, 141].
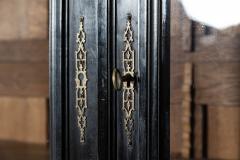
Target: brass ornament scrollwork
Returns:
[81, 80]
[128, 96]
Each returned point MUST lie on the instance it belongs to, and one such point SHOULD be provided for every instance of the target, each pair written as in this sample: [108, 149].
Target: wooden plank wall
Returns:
[23, 19]
[217, 84]
[23, 119]
[24, 70]
[224, 132]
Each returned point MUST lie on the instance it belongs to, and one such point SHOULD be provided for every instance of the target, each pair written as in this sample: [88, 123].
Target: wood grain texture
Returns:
[23, 71]
[186, 111]
[176, 15]
[214, 48]
[24, 79]
[10, 150]
[176, 129]
[217, 84]
[23, 120]
[176, 82]
[198, 132]
[24, 51]
[224, 131]
[25, 19]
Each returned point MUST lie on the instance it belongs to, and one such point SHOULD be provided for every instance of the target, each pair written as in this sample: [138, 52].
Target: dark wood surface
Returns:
[104, 25]
[87, 9]
[58, 147]
[10, 150]
[137, 10]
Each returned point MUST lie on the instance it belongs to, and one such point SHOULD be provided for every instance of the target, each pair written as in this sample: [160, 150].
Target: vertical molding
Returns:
[55, 51]
[164, 80]
[158, 79]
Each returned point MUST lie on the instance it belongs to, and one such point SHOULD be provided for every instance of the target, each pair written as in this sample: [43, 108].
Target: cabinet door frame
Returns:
[58, 79]
[158, 88]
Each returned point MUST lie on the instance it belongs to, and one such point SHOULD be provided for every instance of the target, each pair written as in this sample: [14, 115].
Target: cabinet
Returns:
[109, 79]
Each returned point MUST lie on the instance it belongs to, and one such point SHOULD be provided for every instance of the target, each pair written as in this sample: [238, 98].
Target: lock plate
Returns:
[128, 96]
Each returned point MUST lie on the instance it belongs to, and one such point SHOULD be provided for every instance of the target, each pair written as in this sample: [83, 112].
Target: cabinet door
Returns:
[131, 100]
[109, 79]
[86, 78]
[141, 56]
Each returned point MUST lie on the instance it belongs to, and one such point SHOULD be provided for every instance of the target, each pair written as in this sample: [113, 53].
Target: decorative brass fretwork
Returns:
[128, 87]
[81, 80]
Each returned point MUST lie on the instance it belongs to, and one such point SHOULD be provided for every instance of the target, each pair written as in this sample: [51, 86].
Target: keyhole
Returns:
[81, 78]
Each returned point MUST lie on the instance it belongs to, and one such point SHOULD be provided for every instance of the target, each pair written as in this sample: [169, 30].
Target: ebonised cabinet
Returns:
[109, 74]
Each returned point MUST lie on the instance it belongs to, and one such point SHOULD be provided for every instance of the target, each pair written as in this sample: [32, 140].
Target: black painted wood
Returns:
[104, 23]
[137, 10]
[88, 10]
[103, 82]
[56, 81]
[164, 81]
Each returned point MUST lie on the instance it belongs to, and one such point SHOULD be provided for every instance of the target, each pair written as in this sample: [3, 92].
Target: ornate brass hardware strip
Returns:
[128, 86]
[81, 80]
